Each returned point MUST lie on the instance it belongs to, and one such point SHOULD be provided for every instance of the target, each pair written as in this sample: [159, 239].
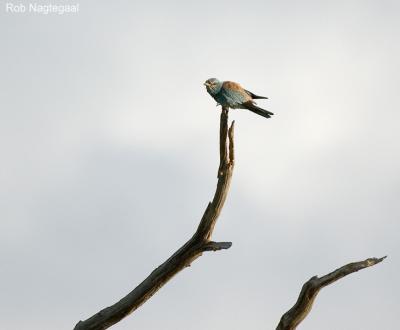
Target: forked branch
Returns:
[201, 242]
[191, 250]
[292, 318]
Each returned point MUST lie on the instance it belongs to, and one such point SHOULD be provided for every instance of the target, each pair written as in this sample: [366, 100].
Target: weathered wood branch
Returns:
[292, 318]
[191, 250]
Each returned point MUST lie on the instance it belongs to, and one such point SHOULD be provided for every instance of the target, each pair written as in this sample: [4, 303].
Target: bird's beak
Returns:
[206, 84]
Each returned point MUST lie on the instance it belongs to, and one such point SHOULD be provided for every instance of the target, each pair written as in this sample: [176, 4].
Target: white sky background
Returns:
[109, 156]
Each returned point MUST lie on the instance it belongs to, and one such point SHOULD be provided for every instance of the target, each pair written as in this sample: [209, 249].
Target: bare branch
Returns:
[216, 246]
[291, 319]
[190, 251]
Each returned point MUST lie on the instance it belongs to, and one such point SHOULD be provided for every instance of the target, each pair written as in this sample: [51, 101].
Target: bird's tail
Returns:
[259, 111]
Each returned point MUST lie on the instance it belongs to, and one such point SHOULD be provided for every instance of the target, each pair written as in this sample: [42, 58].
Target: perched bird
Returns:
[231, 95]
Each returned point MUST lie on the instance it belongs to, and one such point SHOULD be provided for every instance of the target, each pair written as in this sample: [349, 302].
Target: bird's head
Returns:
[213, 85]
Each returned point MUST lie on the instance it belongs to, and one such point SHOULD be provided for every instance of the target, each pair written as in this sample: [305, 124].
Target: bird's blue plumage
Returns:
[231, 95]
[232, 98]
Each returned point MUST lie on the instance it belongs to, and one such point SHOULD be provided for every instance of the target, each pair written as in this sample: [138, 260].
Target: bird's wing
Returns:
[234, 93]
[254, 96]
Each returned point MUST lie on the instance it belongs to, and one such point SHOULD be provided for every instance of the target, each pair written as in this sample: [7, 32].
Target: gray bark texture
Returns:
[201, 242]
[292, 318]
[191, 250]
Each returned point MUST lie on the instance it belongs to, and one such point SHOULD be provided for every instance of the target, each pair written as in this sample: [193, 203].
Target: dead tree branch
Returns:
[191, 250]
[292, 318]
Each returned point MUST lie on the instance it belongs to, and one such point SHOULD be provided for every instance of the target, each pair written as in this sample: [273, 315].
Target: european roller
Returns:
[231, 95]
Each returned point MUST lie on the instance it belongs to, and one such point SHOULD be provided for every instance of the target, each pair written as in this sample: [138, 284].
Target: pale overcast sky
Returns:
[109, 156]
